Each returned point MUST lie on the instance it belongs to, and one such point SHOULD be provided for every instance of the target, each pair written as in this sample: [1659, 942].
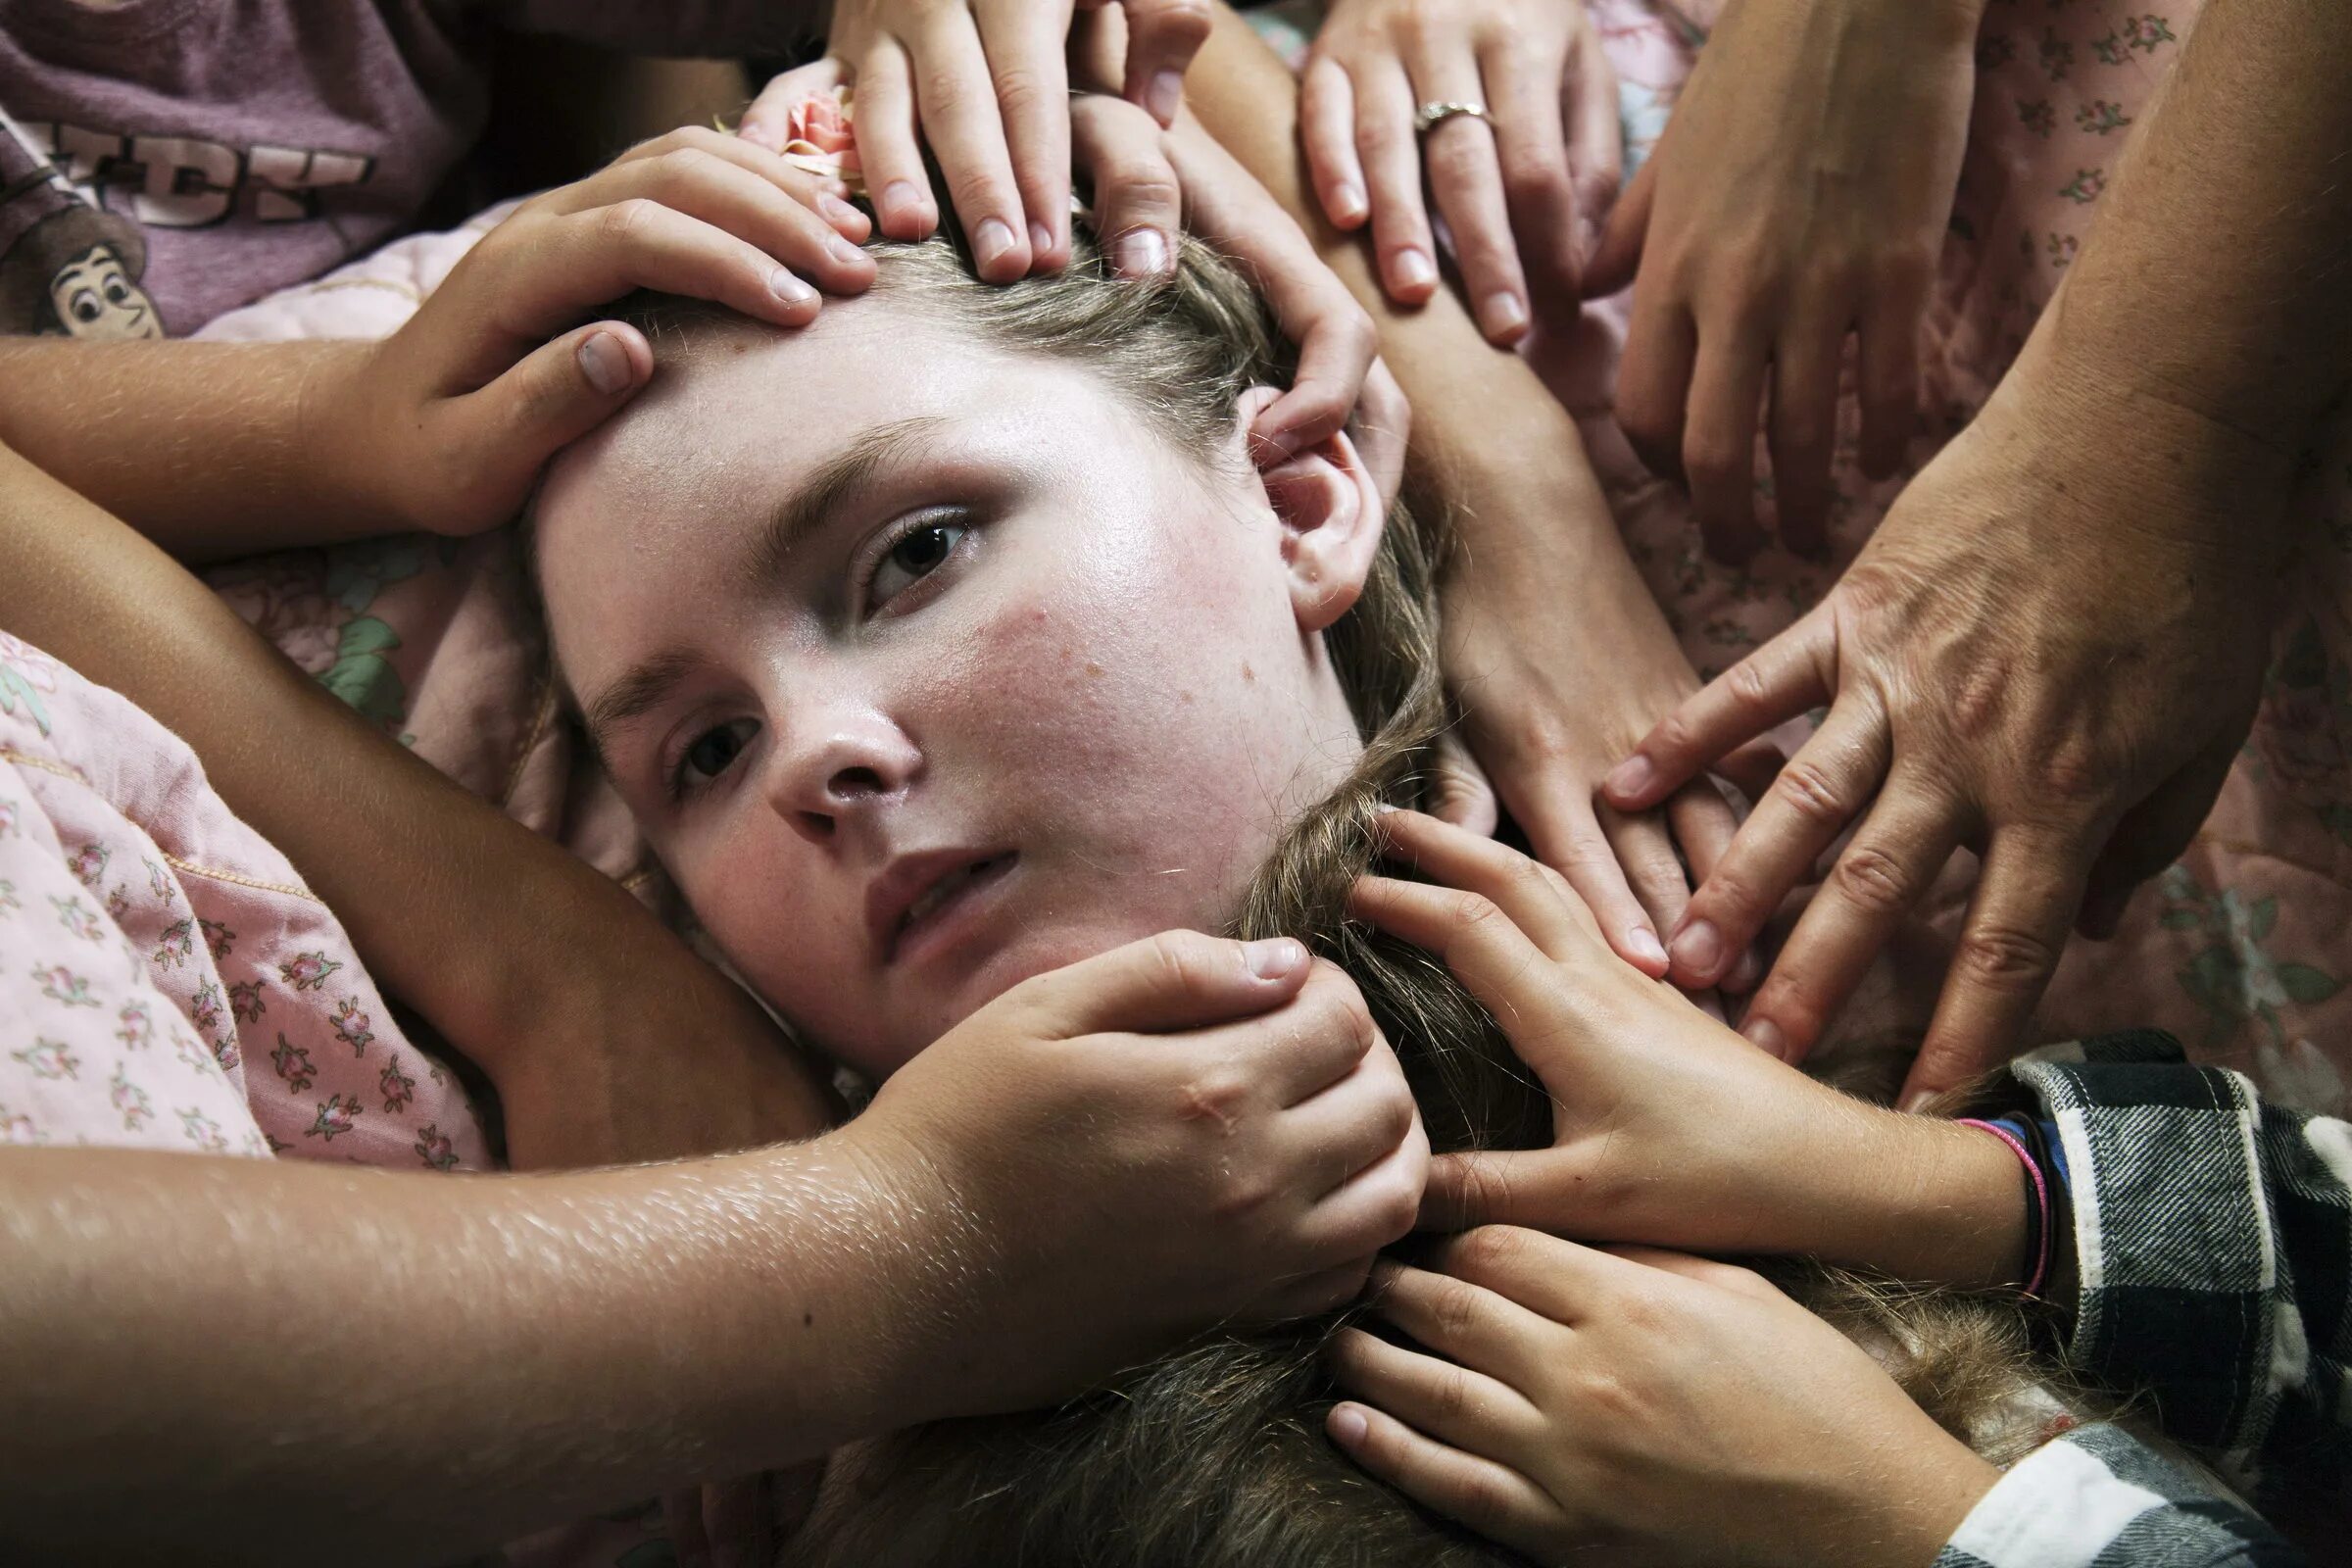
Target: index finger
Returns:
[2025, 903]
[1791, 675]
[1535, 897]
[1025, 43]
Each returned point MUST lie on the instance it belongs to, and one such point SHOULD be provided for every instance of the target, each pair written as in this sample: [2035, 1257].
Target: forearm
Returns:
[498, 937]
[2217, 279]
[267, 1356]
[211, 450]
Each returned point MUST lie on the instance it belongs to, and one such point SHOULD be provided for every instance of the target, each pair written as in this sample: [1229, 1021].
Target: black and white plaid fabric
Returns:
[2097, 1498]
[2213, 1236]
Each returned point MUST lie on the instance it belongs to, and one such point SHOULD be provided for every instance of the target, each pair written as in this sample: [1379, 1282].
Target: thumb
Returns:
[1162, 37]
[1618, 255]
[1459, 789]
[1174, 980]
[1528, 1187]
[553, 396]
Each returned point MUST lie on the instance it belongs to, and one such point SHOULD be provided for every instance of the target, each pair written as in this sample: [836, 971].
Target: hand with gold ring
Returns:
[1513, 107]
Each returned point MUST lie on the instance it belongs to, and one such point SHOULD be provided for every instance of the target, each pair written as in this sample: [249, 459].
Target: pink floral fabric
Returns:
[165, 979]
[2238, 949]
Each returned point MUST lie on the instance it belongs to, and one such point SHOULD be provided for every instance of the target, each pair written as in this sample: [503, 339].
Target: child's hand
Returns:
[448, 421]
[1545, 162]
[1800, 194]
[1116, 1154]
[985, 84]
[1682, 1410]
[1668, 1127]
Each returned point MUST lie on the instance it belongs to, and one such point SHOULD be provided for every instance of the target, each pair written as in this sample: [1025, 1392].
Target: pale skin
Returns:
[1554, 644]
[2052, 648]
[1012, 637]
[1669, 1407]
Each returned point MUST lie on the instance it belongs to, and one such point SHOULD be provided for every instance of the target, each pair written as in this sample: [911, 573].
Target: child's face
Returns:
[929, 667]
[95, 297]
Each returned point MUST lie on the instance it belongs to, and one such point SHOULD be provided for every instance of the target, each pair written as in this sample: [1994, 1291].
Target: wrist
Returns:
[1934, 1203]
[353, 440]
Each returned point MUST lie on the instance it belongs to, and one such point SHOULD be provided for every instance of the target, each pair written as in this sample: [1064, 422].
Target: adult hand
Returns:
[985, 85]
[1682, 1410]
[2051, 652]
[1558, 658]
[1521, 193]
[1669, 1128]
[1799, 195]
[447, 423]
[1113, 1156]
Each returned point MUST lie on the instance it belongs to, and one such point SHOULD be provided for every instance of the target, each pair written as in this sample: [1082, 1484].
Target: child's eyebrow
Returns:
[831, 487]
[637, 692]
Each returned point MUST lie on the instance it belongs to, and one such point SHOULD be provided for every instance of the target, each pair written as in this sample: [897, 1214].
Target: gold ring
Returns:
[1436, 111]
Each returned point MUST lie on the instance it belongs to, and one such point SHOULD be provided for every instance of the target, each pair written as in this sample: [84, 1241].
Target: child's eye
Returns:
[711, 753]
[918, 553]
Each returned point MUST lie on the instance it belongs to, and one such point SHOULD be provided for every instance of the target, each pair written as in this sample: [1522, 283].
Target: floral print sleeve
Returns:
[165, 979]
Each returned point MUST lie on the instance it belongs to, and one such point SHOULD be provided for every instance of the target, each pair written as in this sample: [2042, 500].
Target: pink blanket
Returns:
[2238, 949]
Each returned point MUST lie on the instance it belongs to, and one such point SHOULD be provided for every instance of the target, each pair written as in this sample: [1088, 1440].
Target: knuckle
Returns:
[1533, 181]
[1142, 182]
[1874, 881]
[2072, 773]
[1021, 91]
[1475, 911]
[1809, 791]
[1175, 960]
[684, 165]
[1485, 1506]
[1489, 1246]
[628, 221]
[2005, 958]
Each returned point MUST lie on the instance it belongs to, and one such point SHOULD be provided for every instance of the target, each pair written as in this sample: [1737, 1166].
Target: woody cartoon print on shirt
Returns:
[66, 264]
[76, 204]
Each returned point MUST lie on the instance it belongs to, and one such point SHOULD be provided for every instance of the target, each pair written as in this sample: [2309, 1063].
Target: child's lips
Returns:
[921, 900]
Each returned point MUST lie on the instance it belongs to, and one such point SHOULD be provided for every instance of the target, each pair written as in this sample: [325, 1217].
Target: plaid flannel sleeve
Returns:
[2096, 1497]
[2213, 1236]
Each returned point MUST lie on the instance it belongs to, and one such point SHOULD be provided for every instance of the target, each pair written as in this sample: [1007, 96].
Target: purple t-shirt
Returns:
[164, 161]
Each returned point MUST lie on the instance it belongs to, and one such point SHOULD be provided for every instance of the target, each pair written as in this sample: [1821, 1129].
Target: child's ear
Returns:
[1330, 512]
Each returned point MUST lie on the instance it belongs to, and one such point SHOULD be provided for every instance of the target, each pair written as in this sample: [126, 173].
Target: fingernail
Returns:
[1348, 1424]
[1273, 958]
[1766, 1036]
[836, 211]
[1143, 253]
[1745, 973]
[1646, 945]
[1412, 268]
[1165, 95]
[1629, 777]
[606, 363]
[1698, 949]
[788, 288]
[991, 241]
[899, 195]
[1347, 204]
[1040, 238]
[1587, 240]
[1503, 315]
[1916, 1101]
[842, 251]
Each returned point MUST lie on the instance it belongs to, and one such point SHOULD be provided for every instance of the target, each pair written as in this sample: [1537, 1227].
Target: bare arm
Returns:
[268, 1355]
[524, 959]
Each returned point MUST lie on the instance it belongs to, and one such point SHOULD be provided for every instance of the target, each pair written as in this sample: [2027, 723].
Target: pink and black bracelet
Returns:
[2039, 1225]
